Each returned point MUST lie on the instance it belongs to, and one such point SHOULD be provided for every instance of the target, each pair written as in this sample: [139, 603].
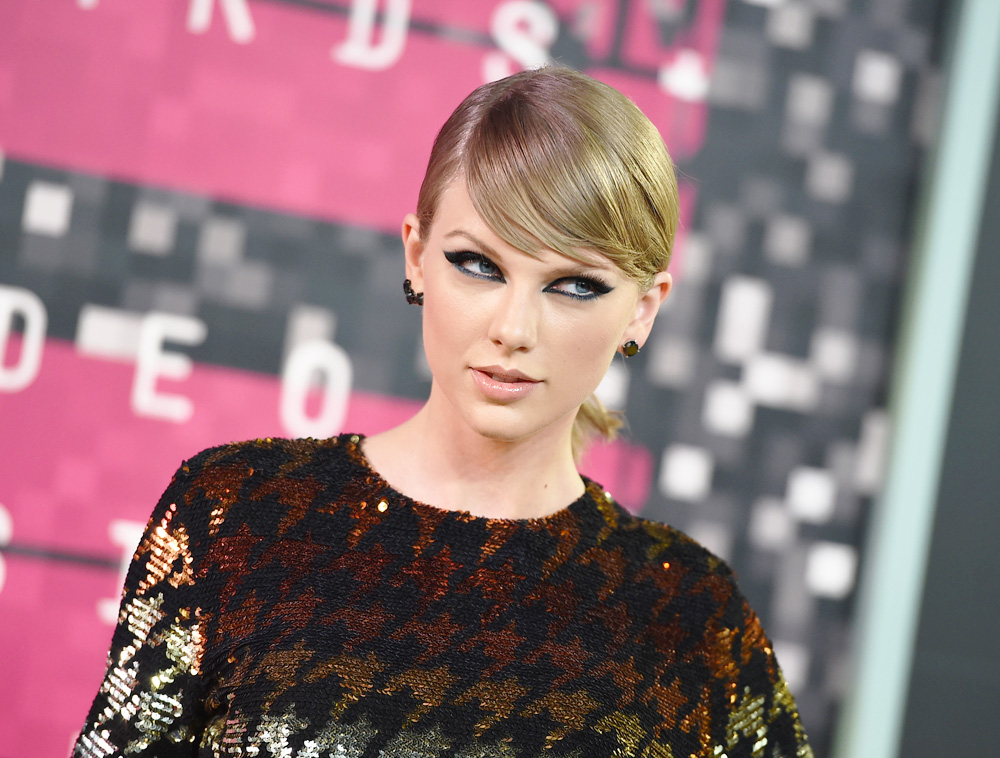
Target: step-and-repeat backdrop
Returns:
[199, 205]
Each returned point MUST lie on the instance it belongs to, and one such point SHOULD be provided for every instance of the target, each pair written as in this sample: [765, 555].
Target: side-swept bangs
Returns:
[554, 159]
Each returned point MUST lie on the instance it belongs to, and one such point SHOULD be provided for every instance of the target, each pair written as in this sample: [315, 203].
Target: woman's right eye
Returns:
[474, 264]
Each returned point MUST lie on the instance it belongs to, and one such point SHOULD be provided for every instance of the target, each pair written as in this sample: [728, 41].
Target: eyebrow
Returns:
[473, 239]
[575, 268]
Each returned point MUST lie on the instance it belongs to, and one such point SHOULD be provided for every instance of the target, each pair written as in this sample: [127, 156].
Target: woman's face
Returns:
[515, 343]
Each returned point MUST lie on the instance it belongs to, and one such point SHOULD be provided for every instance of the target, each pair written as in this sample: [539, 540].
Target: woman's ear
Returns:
[413, 250]
[647, 307]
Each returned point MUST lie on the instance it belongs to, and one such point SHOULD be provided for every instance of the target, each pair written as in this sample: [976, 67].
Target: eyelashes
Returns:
[474, 264]
[580, 287]
[479, 266]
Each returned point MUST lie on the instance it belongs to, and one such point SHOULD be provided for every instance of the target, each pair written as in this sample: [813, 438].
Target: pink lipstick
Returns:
[503, 385]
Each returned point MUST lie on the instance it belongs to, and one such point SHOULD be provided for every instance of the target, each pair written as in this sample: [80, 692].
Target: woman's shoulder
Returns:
[687, 578]
[660, 548]
[206, 486]
[264, 454]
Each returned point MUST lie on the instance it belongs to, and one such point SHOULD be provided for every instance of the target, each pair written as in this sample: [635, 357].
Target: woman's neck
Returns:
[449, 465]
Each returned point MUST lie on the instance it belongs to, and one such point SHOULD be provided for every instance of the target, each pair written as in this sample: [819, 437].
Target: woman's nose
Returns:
[515, 321]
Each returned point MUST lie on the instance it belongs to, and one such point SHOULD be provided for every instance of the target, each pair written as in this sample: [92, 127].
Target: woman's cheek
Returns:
[447, 326]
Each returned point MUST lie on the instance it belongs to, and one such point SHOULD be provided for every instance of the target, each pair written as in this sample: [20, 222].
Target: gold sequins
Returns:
[568, 709]
[627, 728]
[476, 638]
[167, 554]
[748, 720]
[428, 688]
[426, 743]
[496, 699]
[488, 750]
[153, 705]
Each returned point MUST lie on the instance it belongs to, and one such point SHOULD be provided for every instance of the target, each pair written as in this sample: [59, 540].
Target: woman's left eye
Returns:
[581, 288]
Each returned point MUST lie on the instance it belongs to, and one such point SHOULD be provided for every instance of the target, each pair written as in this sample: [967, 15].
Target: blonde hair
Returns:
[554, 159]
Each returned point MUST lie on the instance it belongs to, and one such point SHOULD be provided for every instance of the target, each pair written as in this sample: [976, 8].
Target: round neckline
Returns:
[353, 442]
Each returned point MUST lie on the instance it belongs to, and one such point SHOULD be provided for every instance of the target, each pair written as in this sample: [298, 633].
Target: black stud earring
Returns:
[413, 298]
[630, 348]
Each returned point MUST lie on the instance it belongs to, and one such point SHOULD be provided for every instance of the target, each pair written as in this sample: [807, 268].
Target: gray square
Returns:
[221, 241]
[810, 100]
[737, 85]
[791, 25]
[152, 229]
[830, 177]
[871, 118]
[787, 240]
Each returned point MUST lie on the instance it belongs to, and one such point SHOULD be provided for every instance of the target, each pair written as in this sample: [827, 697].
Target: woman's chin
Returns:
[507, 425]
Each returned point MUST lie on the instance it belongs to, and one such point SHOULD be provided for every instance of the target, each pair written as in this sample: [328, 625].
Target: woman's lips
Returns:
[502, 384]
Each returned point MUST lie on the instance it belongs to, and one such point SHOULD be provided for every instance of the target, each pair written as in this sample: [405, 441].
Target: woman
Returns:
[289, 599]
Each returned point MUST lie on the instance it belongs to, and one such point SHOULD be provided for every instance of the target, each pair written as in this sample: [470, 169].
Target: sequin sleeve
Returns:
[149, 701]
[759, 718]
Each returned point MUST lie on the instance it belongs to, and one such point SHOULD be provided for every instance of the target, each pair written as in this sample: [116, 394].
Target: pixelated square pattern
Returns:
[752, 397]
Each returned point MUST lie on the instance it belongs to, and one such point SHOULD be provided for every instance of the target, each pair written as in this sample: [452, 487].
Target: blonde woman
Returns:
[454, 587]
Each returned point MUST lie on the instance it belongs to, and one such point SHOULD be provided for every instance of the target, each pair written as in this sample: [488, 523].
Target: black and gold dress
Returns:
[286, 601]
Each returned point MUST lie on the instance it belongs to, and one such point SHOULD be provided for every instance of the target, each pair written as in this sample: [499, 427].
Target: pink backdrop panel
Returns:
[79, 476]
[127, 90]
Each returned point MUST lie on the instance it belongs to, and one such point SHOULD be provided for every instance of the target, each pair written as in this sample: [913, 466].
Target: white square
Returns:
[830, 569]
[834, 353]
[877, 77]
[771, 528]
[744, 315]
[686, 472]
[811, 494]
[791, 25]
[779, 381]
[685, 76]
[793, 659]
[830, 177]
[695, 258]
[728, 410]
[47, 209]
[716, 538]
[613, 389]
[787, 240]
[108, 333]
[152, 229]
